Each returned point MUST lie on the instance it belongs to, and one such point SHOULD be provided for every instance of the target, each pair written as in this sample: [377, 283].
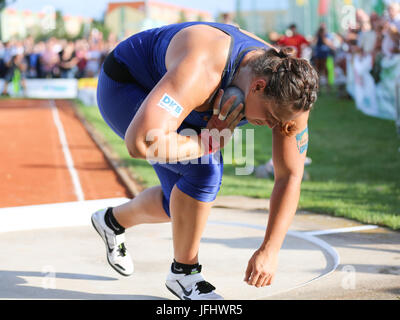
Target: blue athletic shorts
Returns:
[118, 103]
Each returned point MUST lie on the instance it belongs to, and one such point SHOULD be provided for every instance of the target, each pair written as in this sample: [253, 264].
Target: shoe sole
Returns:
[173, 292]
[108, 260]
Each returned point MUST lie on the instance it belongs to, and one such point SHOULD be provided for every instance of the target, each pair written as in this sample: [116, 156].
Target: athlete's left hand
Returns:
[261, 268]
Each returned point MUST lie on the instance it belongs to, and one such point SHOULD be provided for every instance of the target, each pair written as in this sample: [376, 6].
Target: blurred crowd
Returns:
[378, 36]
[372, 34]
[54, 58]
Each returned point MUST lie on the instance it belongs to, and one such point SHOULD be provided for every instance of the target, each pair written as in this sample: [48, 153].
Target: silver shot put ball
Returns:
[233, 91]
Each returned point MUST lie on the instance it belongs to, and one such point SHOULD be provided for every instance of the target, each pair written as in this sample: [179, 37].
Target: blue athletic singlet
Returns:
[143, 54]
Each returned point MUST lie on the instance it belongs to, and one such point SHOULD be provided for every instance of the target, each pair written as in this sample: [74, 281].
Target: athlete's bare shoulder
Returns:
[199, 42]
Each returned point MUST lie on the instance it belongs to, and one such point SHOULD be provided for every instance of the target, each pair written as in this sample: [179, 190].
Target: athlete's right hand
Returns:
[221, 125]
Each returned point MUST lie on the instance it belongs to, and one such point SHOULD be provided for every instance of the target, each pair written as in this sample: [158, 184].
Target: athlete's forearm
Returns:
[171, 147]
[283, 204]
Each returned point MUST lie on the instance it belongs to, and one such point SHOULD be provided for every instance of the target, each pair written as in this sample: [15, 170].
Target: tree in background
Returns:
[100, 26]
[238, 15]
[59, 32]
[3, 4]
[182, 16]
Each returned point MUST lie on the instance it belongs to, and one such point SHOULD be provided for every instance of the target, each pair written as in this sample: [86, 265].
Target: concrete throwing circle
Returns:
[70, 262]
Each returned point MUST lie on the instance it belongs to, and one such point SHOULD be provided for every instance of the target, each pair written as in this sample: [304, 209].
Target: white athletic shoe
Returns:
[191, 287]
[117, 255]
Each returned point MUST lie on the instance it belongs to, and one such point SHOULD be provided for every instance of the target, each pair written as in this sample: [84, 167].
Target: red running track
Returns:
[33, 167]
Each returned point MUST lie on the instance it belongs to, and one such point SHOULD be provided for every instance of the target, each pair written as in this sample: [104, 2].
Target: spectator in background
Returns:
[391, 37]
[50, 59]
[28, 51]
[7, 55]
[81, 54]
[93, 57]
[323, 48]
[34, 61]
[367, 35]
[394, 14]
[2, 63]
[55, 58]
[227, 18]
[95, 54]
[111, 43]
[379, 26]
[370, 43]
[293, 39]
[273, 38]
[16, 70]
[341, 54]
[68, 61]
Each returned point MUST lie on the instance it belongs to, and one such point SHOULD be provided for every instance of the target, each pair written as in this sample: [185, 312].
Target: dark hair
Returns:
[292, 82]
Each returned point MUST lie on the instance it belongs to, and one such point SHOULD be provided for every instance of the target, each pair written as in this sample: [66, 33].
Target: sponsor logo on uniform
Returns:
[170, 105]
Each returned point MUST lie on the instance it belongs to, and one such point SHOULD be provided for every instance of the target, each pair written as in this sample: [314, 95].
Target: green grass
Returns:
[355, 170]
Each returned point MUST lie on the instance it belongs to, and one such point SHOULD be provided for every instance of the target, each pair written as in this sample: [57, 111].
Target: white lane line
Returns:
[67, 154]
[340, 230]
[53, 215]
[298, 234]
[326, 247]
